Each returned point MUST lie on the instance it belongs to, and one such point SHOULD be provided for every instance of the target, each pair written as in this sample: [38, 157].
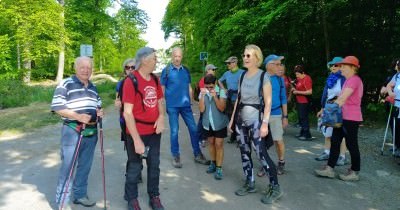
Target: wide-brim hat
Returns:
[334, 61]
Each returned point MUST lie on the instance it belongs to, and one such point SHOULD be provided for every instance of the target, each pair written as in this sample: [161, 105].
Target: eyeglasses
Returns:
[209, 87]
[336, 66]
[129, 67]
[246, 55]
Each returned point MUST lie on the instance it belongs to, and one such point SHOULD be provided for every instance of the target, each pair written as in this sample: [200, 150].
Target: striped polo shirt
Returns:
[72, 94]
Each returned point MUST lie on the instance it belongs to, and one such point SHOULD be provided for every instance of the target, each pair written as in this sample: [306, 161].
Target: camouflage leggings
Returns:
[249, 136]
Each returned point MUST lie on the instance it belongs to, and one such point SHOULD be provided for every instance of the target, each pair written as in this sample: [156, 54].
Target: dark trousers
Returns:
[395, 114]
[200, 128]
[349, 130]
[135, 166]
[302, 111]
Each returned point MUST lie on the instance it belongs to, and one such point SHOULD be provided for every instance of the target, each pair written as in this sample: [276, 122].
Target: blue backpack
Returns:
[332, 115]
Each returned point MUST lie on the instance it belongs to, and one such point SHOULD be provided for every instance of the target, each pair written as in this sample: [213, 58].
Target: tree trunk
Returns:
[326, 35]
[18, 57]
[28, 68]
[61, 55]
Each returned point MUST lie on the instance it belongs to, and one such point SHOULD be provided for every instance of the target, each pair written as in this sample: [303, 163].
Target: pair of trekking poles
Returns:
[72, 167]
[393, 132]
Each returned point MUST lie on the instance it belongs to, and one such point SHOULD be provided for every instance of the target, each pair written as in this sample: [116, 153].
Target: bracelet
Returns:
[285, 116]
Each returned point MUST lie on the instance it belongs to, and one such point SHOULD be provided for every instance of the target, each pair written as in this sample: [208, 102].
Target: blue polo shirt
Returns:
[278, 94]
[176, 85]
[232, 80]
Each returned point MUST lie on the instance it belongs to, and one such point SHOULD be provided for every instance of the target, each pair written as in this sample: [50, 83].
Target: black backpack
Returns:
[122, 122]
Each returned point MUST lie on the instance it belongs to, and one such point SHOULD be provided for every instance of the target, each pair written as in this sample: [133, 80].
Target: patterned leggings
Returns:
[250, 136]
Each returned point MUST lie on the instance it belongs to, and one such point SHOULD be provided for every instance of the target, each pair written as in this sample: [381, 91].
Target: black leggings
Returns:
[248, 135]
[349, 130]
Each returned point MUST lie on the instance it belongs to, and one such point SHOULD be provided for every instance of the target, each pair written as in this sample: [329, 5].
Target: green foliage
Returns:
[306, 32]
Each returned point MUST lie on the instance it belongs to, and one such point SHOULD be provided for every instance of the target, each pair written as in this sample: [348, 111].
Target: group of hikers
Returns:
[251, 105]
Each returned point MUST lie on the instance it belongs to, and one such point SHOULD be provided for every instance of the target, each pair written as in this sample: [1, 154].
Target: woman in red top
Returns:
[303, 91]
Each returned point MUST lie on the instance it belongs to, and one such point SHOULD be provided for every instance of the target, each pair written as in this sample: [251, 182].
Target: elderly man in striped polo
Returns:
[76, 100]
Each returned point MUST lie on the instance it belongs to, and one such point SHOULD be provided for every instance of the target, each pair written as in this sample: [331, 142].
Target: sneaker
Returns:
[322, 157]
[218, 174]
[133, 205]
[176, 162]
[84, 202]
[349, 176]
[281, 167]
[155, 203]
[248, 187]
[211, 168]
[261, 172]
[201, 159]
[327, 171]
[272, 195]
[341, 161]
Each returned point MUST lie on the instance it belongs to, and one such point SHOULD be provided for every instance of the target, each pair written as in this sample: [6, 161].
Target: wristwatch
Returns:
[285, 116]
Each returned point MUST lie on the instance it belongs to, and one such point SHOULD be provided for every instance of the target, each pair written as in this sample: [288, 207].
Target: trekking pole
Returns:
[72, 168]
[386, 130]
[102, 161]
[394, 135]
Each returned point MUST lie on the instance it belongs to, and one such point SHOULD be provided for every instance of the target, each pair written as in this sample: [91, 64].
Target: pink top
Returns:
[352, 107]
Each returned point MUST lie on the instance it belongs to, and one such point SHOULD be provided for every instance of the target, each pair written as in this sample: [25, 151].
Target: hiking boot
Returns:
[85, 202]
[201, 159]
[341, 161]
[327, 171]
[248, 187]
[272, 195]
[218, 174]
[281, 167]
[211, 168]
[133, 204]
[176, 162]
[349, 176]
[261, 172]
[155, 203]
[322, 157]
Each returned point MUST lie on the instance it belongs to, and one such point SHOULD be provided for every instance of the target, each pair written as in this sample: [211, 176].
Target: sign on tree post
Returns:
[87, 50]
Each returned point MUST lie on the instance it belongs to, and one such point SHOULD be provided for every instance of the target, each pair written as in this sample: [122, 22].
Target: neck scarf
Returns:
[332, 79]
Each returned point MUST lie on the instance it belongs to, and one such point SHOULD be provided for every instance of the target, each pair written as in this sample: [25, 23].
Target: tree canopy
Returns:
[308, 32]
[34, 33]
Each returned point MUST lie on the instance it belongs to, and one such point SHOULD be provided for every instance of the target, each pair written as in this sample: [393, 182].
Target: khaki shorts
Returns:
[275, 123]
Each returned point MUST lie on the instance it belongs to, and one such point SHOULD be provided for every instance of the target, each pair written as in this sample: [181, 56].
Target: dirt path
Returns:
[29, 165]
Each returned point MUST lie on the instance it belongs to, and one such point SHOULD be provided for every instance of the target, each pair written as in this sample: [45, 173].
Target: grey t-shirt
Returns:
[249, 95]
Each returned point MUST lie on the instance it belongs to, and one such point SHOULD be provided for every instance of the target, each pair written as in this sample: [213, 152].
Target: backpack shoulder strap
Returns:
[260, 90]
[240, 85]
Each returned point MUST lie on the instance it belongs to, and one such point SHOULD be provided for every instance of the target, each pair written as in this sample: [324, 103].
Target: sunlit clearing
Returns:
[8, 135]
[170, 174]
[303, 151]
[212, 197]
[51, 160]
[17, 157]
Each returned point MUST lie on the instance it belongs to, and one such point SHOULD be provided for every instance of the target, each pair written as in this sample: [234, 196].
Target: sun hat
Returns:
[350, 60]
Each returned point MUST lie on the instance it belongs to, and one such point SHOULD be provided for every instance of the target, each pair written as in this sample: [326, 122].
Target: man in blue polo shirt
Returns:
[231, 78]
[175, 81]
[76, 100]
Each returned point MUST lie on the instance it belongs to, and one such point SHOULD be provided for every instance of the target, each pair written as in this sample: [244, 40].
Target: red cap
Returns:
[352, 60]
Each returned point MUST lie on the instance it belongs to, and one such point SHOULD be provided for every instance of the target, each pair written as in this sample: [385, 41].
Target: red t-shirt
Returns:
[201, 83]
[303, 85]
[146, 108]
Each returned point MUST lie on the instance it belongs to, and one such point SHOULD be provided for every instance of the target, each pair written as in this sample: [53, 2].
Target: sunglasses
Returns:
[336, 66]
[129, 67]
[246, 55]
[211, 69]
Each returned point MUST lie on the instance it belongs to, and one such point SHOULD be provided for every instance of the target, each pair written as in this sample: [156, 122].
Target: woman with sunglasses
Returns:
[252, 125]
[212, 104]
[349, 101]
[332, 89]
